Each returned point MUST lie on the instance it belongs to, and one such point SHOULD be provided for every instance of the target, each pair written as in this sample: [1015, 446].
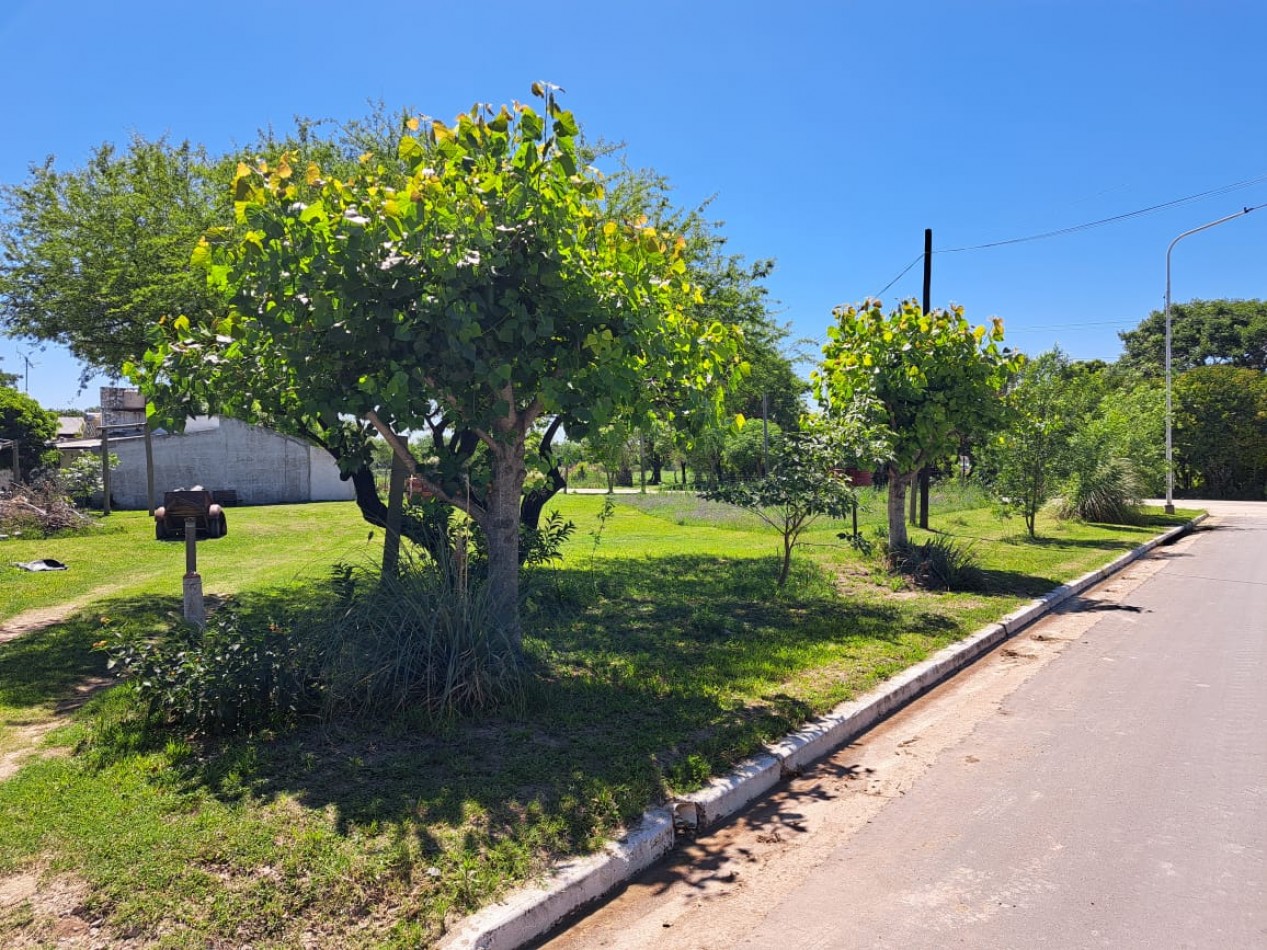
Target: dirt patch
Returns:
[24, 737]
[33, 620]
[38, 909]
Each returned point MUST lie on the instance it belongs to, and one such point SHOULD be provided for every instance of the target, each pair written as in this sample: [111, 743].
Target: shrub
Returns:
[81, 479]
[372, 648]
[239, 674]
[423, 641]
[1107, 492]
[939, 564]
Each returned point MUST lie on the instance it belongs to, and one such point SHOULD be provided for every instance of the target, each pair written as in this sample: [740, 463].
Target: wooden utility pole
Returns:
[928, 305]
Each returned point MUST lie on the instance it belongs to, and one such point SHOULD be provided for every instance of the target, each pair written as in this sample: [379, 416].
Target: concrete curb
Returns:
[532, 912]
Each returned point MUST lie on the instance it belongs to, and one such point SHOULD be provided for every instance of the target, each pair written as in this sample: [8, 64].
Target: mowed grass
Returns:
[118, 556]
[660, 654]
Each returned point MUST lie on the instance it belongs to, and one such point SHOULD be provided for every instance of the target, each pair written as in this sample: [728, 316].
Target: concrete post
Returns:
[195, 608]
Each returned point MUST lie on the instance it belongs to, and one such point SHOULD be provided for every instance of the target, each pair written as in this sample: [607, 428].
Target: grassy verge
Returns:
[120, 558]
[660, 655]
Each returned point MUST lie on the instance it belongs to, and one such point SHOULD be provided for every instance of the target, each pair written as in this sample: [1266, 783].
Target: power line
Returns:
[1225, 189]
[917, 259]
[1088, 225]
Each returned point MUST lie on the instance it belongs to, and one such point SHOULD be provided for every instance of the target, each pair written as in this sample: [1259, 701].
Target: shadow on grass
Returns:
[1016, 584]
[42, 666]
[1047, 541]
[647, 677]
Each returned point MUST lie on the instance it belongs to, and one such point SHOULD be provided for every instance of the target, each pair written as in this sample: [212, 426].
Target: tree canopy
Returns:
[1221, 431]
[1203, 332]
[469, 285]
[933, 379]
[24, 421]
[93, 257]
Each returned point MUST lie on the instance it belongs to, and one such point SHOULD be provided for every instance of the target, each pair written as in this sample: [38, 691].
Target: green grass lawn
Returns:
[120, 558]
[660, 654]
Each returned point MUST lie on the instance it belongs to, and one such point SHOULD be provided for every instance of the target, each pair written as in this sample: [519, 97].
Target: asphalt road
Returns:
[1101, 781]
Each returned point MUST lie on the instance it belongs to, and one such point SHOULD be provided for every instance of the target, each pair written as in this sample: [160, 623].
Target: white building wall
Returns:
[262, 466]
[324, 483]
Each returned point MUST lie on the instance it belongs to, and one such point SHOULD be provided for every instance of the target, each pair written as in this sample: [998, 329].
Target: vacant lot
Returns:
[660, 654]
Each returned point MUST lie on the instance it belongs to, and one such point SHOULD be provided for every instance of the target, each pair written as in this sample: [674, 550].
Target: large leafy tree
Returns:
[24, 421]
[471, 285]
[933, 378]
[1221, 430]
[92, 257]
[1203, 332]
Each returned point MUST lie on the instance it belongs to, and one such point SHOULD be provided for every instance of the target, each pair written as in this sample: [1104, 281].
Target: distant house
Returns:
[257, 465]
[70, 427]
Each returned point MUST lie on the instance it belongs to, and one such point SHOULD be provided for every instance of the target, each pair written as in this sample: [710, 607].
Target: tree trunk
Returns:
[657, 468]
[395, 508]
[787, 561]
[897, 509]
[501, 528]
[535, 500]
[923, 497]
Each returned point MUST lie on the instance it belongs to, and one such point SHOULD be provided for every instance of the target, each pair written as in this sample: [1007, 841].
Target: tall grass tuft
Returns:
[423, 642]
[1107, 492]
[939, 564]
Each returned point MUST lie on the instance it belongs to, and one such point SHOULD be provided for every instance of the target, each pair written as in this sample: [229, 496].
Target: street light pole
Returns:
[1170, 468]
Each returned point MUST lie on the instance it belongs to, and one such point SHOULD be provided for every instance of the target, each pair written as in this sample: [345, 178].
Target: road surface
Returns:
[1100, 781]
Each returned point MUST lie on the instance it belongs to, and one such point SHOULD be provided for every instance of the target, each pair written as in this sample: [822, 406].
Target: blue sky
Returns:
[828, 135]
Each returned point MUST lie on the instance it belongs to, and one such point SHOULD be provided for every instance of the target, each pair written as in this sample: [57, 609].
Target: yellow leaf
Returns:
[313, 174]
[283, 168]
[412, 123]
[609, 228]
[364, 157]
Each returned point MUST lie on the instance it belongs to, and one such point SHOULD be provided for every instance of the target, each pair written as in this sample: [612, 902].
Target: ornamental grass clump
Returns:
[939, 564]
[1107, 492]
[423, 642]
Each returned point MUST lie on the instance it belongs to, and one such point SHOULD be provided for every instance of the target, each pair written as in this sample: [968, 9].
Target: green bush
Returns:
[1107, 492]
[237, 675]
[422, 642]
[939, 564]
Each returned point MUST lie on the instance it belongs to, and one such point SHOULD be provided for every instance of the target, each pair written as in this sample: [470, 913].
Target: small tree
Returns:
[933, 378]
[805, 484]
[1031, 455]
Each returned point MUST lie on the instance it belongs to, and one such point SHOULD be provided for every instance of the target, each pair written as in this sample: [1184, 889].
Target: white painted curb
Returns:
[531, 912]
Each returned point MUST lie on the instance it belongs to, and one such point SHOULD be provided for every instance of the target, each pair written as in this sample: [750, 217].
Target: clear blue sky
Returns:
[830, 134]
